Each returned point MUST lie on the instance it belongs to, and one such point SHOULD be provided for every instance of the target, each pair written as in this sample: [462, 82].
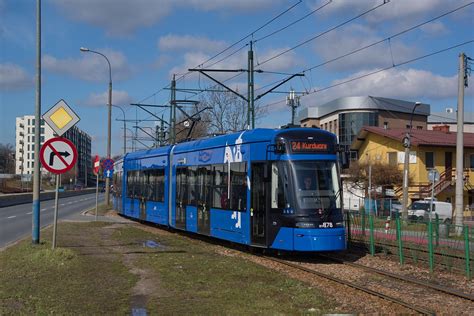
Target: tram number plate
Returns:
[326, 225]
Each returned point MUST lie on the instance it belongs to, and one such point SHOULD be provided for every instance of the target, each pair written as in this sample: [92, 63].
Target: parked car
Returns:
[420, 210]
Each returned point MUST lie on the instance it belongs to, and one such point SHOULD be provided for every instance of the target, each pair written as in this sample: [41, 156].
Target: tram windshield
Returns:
[315, 183]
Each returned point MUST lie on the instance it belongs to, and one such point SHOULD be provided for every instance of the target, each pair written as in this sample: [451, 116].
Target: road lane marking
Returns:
[43, 209]
[29, 213]
[9, 217]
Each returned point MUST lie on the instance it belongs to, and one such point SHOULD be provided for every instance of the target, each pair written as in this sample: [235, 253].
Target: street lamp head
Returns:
[84, 49]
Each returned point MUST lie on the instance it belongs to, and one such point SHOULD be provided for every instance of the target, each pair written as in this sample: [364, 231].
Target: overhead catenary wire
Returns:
[377, 71]
[230, 46]
[292, 23]
[323, 33]
[375, 43]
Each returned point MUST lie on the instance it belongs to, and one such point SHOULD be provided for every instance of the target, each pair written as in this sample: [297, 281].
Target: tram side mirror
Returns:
[344, 159]
[280, 147]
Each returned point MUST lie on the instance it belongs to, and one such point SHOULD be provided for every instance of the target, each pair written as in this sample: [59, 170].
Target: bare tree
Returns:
[7, 158]
[184, 125]
[383, 176]
[227, 112]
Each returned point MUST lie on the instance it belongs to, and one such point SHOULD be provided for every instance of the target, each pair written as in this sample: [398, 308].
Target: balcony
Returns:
[22, 134]
[22, 125]
[21, 142]
[20, 150]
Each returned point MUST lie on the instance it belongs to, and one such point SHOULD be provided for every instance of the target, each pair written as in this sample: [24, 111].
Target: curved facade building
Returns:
[346, 116]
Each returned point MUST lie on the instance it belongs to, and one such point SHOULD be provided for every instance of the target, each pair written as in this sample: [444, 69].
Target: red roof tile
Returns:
[423, 137]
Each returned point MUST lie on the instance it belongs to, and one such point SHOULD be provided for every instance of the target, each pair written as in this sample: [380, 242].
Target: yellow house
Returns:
[429, 149]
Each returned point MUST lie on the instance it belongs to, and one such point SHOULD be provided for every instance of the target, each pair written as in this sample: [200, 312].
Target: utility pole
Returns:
[293, 102]
[406, 164]
[173, 112]
[37, 170]
[250, 98]
[459, 198]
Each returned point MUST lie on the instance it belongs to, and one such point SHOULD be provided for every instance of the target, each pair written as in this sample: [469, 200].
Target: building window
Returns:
[471, 161]
[429, 160]
[392, 158]
[385, 125]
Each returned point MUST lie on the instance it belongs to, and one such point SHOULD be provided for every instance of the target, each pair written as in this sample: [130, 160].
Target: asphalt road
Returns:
[16, 221]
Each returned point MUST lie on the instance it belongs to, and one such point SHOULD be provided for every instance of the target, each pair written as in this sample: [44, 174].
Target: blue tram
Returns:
[277, 189]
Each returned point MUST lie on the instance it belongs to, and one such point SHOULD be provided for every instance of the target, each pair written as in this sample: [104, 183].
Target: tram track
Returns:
[391, 299]
[432, 286]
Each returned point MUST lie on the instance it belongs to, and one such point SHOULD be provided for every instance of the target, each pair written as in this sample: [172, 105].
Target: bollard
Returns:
[430, 245]
[466, 246]
[400, 242]
[387, 225]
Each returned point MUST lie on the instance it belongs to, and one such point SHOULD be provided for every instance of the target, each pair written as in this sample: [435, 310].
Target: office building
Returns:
[346, 116]
[25, 146]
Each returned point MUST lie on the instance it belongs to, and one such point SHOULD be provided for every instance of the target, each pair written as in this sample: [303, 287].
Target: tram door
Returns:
[203, 195]
[259, 203]
[181, 195]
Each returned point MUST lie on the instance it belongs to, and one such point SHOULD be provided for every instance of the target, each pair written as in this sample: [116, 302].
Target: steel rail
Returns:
[432, 286]
[418, 309]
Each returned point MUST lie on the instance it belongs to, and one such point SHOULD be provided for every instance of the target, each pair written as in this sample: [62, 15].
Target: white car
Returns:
[420, 210]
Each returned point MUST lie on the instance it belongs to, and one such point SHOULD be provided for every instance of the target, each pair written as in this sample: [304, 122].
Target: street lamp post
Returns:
[124, 128]
[407, 144]
[107, 180]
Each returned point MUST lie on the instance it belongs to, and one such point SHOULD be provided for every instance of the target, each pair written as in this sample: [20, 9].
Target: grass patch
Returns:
[102, 209]
[197, 280]
[80, 278]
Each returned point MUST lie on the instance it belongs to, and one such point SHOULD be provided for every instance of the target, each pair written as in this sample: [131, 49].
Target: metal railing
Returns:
[428, 243]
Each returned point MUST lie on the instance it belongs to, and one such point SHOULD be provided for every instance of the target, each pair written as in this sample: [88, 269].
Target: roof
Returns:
[418, 137]
[449, 117]
[246, 136]
[363, 103]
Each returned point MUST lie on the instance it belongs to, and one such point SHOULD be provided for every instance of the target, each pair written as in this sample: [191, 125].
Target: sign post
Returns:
[96, 172]
[57, 155]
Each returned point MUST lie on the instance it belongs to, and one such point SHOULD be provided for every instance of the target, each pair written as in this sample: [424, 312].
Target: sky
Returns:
[400, 49]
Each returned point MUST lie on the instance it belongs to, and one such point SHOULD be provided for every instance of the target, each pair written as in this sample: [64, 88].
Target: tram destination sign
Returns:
[308, 146]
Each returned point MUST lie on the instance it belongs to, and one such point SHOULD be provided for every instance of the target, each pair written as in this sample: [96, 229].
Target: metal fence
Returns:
[428, 243]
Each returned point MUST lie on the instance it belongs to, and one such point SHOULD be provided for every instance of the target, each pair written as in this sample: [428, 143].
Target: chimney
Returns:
[441, 128]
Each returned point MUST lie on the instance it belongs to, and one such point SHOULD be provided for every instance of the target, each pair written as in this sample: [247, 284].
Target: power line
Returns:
[293, 23]
[376, 43]
[323, 33]
[378, 71]
[229, 47]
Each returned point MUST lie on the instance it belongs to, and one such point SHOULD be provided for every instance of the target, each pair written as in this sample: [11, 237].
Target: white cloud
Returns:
[14, 77]
[240, 61]
[338, 43]
[187, 42]
[435, 28]
[393, 10]
[101, 99]
[410, 84]
[123, 17]
[230, 5]
[90, 66]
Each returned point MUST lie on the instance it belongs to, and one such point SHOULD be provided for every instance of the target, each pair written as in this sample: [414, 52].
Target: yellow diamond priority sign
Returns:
[61, 117]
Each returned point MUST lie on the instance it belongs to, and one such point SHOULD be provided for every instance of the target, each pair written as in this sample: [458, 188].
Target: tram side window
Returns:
[220, 188]
[181, 186]
[155, 185]
[132, 183]
[203, 186]
[238, 176]
[192, 191]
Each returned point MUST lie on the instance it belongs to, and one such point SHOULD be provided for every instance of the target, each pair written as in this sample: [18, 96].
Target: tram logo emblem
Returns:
[234, 154]
[238, 217]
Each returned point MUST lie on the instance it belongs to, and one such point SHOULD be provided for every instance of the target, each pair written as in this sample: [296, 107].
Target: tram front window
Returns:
[306, 188]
